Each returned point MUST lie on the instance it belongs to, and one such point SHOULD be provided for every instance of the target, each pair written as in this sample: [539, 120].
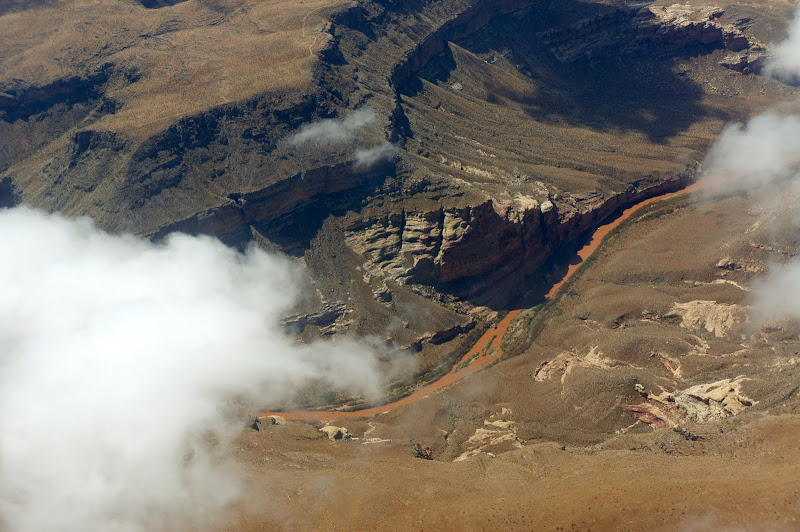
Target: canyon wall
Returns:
[482, 243]
[223, 171]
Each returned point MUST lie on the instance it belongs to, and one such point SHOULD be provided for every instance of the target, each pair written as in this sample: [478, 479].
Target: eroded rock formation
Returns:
[501, 161]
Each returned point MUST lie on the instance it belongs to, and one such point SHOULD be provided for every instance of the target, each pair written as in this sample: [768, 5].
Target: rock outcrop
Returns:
[565, 363]
[336, 433]
[455, 209]
[493, 238]
[262, 422]
[719, 319]
[697, 404]
[498, 435]
[324, 318]
[441, 336]
[661, 30]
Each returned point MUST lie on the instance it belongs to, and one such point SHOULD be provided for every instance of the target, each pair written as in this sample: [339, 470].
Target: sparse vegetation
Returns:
[439, 368]
[489, 345]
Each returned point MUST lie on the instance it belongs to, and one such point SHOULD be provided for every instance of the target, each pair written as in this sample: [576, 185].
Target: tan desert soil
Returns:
[562, 451]
[743, 477]
[189, 57]
[645, 395]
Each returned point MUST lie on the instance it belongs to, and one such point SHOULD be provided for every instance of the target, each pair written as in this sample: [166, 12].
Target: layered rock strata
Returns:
[229, 171]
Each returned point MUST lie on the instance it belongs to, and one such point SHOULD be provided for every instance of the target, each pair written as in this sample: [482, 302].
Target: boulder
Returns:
[336, 433]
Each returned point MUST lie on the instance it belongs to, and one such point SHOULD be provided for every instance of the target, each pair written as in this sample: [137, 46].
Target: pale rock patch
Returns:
[565, 362]
[700, 403]
[336, 433]
[497, 435]
[721, 319]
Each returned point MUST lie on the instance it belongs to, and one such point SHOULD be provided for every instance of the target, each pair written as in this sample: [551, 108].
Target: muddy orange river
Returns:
[488, 348]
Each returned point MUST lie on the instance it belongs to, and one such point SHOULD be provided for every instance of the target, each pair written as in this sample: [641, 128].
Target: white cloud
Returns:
[767, 148]
[368, 157]
[764, 150]
[775, 294]
[118, 359]
[784, 57]
[334, 131]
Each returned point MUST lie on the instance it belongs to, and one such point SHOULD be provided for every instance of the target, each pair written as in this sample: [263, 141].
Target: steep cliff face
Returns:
[447, 245]
[463, 24]
[275, 209]
[188, 128]
[517, 127]
[485, 243]
[659, 29]
[32, 116]
[8, 197]
[481, 239]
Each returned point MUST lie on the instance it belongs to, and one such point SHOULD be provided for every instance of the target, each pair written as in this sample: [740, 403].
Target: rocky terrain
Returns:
[646, 395]
[453, 142]
[433, 165]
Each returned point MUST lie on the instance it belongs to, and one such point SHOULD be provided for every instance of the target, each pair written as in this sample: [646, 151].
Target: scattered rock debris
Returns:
[699, 404]
[261, 422]
[426, 453]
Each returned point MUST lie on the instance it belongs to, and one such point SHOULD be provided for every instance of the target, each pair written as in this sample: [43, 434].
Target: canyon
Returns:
[434, 167]
[516, 129]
